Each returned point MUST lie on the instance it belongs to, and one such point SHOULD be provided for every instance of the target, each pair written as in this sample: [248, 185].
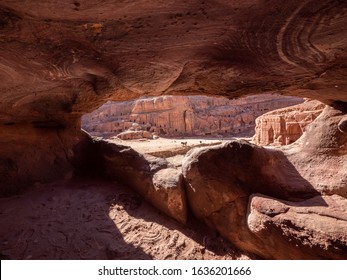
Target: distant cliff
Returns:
[172, 116]
[285, 126]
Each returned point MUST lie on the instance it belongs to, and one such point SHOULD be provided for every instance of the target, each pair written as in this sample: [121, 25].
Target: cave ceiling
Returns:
[63, 58]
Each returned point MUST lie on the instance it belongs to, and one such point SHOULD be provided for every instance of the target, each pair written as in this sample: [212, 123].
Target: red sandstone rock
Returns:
[310, 229]
[130, 135]
[285, 126]
[183, 115]
[59, 60]
[220, 179]
[320, 155]
[148, 175]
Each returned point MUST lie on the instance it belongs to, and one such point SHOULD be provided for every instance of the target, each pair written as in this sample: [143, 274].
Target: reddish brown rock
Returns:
[320, 155]
[138, 134]
[310, 229]
[343, 124]
[168, 193]
[183, 115]
[285, 126]
[147, 175]
[220, 179]
[60, 60]
[39, 153]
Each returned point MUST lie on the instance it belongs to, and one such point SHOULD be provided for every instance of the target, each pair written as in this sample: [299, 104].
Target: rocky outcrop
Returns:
[138, 134]
[183, 115]
[310, 229]
[220, 179]
[320, 155]
[149, 176]
[285, 126]
[39, 153]
[62, 59]
[296, 179]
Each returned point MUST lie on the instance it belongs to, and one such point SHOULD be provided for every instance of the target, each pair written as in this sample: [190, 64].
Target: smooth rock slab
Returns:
[147, 175]
[220, 179]
[311, 229]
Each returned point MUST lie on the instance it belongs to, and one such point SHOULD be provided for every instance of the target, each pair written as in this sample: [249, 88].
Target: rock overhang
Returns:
[60, 58]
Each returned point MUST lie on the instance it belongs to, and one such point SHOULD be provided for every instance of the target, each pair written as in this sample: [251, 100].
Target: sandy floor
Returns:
[95, 219]
[165, 147]
[99, 220]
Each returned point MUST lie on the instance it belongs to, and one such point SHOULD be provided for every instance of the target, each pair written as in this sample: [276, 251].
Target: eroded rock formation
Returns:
[292, 221]
[182, 116]
[151, 177]
[61, 59]
[285, 126]
[291, 232]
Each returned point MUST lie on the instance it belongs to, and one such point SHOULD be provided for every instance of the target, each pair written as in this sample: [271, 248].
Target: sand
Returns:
[93, 219]
[98, 219]
[166, 147]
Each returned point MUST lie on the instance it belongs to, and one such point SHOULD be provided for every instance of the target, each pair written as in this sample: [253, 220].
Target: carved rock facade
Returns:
[285, 126]
[182, 116]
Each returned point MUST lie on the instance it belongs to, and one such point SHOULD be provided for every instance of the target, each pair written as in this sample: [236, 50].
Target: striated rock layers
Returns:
[62, 59]
[283, 203]
[285, 126]
[182, 116]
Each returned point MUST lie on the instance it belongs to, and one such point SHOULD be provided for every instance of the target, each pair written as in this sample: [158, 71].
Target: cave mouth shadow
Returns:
[194, 230]
[72, 220]
[66, 220]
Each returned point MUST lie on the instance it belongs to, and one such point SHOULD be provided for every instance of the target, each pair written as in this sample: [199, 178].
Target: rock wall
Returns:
[59, 60]
[285, 126]
[183, 115]
[284, 202]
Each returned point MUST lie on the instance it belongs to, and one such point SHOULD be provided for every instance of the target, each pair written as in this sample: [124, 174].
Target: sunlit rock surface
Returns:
[171, 116]
[62, 59]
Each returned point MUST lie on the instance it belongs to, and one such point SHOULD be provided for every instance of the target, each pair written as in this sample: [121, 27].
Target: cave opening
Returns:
[183, 117]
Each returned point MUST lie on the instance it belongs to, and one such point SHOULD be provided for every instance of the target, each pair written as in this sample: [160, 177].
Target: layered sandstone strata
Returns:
[182, 116]
[62, 59]
[285, 126]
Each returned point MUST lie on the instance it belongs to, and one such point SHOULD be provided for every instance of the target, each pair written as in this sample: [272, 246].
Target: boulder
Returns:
[343, 124]
[320, 155]
[168, 193]
[285, 126]
[311, 229]
[220, 179]
[147, 175]
[136, 134]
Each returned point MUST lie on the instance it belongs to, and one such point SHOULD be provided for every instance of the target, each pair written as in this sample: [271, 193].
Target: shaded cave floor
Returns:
[97, 219]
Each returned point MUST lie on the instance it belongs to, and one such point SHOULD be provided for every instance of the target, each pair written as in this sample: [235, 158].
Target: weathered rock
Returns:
[220, 179]
[310, 229]
[39, 153]
[320, 155]
[147, 175]
[343, 124]
[237, 168]
[60, 60]
[184, 115]
[131, 135]
[168, 193]
[285, 126]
